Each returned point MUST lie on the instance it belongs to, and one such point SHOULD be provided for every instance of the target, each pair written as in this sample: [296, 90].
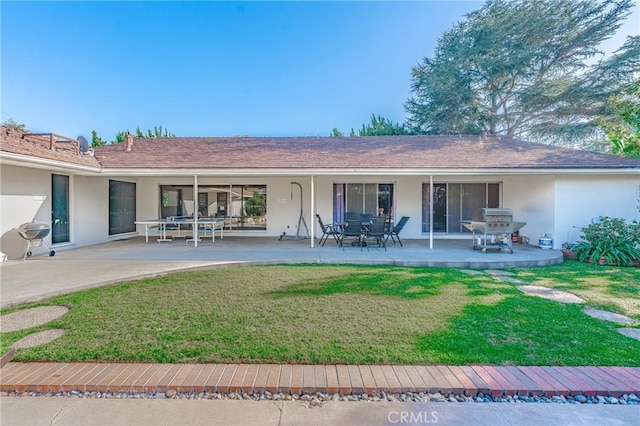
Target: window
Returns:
[375, 199]
[122, 207]
[244, 205]
[455, 202]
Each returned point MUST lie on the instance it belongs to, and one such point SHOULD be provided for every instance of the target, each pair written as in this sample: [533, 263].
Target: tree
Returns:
[527, 69]
[96, 140]
[623, 127]
[379, 126]
[13, 125]
[121, 136]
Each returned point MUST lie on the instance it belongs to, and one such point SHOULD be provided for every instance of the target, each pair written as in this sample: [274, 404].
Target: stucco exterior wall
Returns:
[90, 210]
[532, 199]
[580, 199]
[25, 197]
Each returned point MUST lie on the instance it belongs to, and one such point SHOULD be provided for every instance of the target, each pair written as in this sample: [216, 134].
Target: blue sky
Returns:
[216, 68]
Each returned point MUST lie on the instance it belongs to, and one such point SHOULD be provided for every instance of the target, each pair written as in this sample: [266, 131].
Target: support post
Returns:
[313, 211]
[195, 211]
[431, 211]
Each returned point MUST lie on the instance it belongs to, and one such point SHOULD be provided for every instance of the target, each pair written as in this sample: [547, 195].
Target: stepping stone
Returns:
[550, 293]
[610, 316]
[471, 272]
[507, 280]
[37, 339]
[634, 333]
[27, 318]
[498, 272]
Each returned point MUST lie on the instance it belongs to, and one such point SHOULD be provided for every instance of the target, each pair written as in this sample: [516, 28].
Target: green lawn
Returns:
[346, 314]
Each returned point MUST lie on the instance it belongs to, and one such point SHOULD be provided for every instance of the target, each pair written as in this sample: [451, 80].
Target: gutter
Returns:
[45, 163]
[357, 172]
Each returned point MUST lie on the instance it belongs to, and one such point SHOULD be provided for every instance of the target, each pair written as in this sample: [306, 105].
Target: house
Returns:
[94, 197]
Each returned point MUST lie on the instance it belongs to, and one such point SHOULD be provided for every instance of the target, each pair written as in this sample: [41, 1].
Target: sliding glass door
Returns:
[375, 199]
[122, 207]
[456, 202]
[245, 206]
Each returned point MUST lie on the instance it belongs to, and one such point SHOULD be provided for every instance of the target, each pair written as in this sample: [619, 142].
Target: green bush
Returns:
[612, 239]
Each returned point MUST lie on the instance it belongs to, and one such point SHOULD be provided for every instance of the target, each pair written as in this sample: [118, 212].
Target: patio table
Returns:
[212, 225]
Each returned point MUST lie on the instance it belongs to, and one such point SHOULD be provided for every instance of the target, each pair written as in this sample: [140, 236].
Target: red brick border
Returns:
[343, 379]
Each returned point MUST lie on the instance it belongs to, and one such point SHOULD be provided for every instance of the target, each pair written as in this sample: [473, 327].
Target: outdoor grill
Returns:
[492, 228]
[34, 233]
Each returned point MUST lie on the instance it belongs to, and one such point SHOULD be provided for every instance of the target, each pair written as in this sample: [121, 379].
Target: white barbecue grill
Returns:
[34, 233]
[492, 228]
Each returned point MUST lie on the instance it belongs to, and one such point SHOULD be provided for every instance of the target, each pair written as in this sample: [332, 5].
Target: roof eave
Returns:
[8, 158]
[361, 171]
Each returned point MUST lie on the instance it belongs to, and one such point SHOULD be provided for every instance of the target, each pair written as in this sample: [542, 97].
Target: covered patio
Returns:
[41, 276]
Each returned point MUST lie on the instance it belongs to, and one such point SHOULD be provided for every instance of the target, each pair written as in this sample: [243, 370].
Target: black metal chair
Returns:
[328, 230]
[394, 231]
[352, 216]
[377, 232]
[352, 228]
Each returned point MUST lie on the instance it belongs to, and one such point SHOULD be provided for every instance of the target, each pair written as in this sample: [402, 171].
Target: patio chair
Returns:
[352, 216]
[352, 228]
[394, 231]
[328, 230]
[378, 233]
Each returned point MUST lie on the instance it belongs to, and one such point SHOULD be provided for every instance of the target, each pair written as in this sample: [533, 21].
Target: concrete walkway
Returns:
[81, 412]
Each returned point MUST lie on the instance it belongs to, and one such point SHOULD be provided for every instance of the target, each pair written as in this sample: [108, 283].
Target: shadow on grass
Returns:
[576, 274]
[391, 283]
[529, 331]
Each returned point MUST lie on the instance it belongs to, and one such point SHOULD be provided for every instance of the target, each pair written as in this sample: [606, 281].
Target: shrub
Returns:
[612, 239]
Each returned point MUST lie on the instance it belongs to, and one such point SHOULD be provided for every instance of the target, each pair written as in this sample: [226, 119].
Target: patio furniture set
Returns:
[364, 229]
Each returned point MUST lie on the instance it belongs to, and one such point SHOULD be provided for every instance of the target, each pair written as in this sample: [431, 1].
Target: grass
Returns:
[345, 314]
[611, 288]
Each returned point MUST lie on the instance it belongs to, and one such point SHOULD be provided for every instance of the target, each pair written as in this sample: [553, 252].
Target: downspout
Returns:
[313, 210]
[431, 211]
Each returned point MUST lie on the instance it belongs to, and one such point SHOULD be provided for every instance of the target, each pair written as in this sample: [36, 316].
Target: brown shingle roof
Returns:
[36, 147]
[428, 152]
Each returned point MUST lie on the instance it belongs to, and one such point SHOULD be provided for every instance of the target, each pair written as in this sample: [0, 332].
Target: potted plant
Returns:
[567, 251]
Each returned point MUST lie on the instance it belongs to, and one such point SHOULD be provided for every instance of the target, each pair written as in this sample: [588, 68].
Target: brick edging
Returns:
[343, 379]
